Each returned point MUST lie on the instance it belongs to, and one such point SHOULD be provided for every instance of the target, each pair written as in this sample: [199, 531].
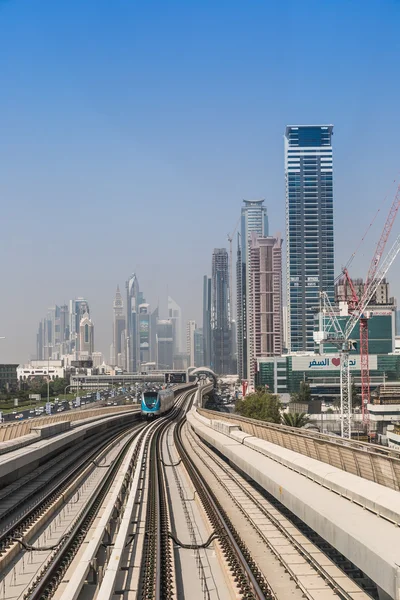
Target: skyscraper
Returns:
[309, 228]
[175, 314]
[77, 308]
[198, 348]
[253, 219]
[221, 342]
[206, 321]
[119, 324]
[86, 336]
[58, 332]
[190, 345]
[144, 333]
[132, 338]
[165, 344]
[153, 335]
[265, 333]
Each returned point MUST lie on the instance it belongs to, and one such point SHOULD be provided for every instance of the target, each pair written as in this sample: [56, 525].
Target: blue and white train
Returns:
[156, 403]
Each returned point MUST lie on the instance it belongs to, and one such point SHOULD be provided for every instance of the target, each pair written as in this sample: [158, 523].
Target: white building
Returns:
[86, 335]
[41, 368]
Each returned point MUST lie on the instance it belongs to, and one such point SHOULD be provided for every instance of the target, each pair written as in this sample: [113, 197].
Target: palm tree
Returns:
[295, 419]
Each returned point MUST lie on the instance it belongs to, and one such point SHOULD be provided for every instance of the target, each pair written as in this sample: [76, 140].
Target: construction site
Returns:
[354, 372]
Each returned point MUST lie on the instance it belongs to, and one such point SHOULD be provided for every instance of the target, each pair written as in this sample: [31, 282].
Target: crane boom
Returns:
[380, 248]
[379, 275]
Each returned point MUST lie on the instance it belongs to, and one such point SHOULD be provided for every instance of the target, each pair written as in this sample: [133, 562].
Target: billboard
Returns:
[36, 397]
[175, 377]
[330, 362]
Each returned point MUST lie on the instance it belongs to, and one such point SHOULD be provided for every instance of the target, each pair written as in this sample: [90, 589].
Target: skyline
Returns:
[139, 145]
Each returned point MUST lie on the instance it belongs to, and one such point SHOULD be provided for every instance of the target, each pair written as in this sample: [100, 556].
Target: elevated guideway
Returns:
[355, 514]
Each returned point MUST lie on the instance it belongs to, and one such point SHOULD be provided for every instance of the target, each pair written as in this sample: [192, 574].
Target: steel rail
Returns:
[69, 467]
[249, 579]
[156, 579]
[340, 590]
[47, 582]
[42, 503]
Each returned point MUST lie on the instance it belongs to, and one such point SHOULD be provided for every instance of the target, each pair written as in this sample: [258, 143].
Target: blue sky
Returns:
[130, 131]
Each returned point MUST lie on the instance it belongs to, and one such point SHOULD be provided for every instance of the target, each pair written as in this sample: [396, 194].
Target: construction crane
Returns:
[355, 303]
[332, 332]
[230, 239]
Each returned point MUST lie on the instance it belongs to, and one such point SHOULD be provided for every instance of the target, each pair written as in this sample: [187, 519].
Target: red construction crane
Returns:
[358, 304]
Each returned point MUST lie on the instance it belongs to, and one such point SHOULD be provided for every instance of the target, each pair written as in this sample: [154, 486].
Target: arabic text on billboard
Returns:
[329, 362]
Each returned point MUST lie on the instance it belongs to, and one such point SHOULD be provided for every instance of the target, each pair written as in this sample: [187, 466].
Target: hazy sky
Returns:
[131, 130]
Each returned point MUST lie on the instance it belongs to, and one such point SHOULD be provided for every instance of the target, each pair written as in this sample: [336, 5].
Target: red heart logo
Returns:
[336, 361]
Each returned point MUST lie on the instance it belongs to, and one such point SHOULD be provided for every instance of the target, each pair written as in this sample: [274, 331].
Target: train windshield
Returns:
[150, 399]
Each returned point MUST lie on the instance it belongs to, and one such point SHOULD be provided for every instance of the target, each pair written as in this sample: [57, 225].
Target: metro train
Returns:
[156, 403]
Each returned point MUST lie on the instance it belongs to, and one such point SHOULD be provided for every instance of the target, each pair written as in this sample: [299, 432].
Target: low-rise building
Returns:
[283, 374]
[384, 408]
[8, 377]
[41, 368]
[393, 436]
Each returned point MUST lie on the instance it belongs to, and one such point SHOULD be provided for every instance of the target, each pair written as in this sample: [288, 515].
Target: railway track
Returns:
[31, 535]
[146, 508]
[276, 531]
[25, 497]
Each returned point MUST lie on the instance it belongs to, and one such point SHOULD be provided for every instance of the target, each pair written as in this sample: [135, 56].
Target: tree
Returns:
[304, 393]
[355, 396]
[261, 405]
[295, 419]
[59, 385]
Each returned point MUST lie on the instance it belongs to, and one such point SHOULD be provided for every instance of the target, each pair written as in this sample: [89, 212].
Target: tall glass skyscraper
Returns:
[253, 219]
[309, 228]
[221, 340]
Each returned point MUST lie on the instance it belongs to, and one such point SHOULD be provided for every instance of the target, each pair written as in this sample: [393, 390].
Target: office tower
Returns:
[86, 336]
[198, 348]
[253, 219]
[175, 314]
[53, 337]
[190, 350]
[309, 228]
[206, 321]
[144, 333]
[265, 332]
[119, 324]
[78, 308]
[113, 356]
[165, 344]
[221, 342]
[122, 357]
[64, 329]
[133, 299]
[40, 341]
[153, 335]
